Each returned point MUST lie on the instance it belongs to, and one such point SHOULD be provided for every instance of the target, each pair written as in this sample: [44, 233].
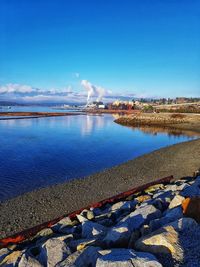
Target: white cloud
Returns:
[16, 88]
[71, 98]
[29, 90]
[27, 93]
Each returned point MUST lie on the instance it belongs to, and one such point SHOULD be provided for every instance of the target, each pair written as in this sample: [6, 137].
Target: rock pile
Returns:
[155, 227]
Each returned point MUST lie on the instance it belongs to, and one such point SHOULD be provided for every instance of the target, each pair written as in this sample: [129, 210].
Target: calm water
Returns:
[33, 109]
[36, 153]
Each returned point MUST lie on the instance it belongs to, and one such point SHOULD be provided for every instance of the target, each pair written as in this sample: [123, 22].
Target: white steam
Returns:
[93, 90]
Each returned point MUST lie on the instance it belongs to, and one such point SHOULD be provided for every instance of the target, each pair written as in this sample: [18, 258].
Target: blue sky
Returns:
[133, 47]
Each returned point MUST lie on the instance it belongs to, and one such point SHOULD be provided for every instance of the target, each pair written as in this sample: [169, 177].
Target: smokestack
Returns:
[101, 93]
[93, 90]
[89, 88]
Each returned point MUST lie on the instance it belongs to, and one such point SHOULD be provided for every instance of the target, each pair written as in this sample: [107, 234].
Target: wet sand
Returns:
[46, 204]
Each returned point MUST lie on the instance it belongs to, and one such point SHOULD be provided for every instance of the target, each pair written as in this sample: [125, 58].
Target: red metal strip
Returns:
[26, 234]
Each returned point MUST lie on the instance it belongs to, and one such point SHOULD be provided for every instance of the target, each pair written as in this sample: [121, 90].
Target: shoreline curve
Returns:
[39, 206]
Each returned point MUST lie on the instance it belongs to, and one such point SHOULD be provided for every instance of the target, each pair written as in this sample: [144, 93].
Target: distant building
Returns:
[122, 105]
[102, 106]
[181, 100]
[96, 105]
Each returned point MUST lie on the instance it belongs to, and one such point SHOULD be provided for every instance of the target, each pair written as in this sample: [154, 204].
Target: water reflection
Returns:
[93, 123]
[88, 124]
[12, 122]
[40, 152]
[155, 130]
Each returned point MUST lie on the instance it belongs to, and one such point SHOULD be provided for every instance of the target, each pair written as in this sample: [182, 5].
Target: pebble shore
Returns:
[159, 226]
[45, 204]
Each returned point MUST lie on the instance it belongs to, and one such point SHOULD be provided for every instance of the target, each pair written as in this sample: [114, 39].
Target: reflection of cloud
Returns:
[22, 122]
[92, 123]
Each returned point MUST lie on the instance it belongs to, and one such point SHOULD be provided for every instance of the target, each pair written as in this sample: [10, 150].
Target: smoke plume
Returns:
[93, 90]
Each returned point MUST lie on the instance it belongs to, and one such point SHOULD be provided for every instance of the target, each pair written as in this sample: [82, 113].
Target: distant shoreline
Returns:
[35, 114]
[32, 115]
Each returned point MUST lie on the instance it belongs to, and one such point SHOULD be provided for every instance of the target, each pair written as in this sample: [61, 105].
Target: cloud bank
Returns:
[29, 94]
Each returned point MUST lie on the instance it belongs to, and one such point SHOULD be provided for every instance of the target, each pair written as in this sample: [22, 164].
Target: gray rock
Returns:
[135, 235]
[105, 222]
[118, 236]
[64, 237]
[28, 261]
[175, 213]
[65, 229]
[182, 186]
[70, 260]
[170, 216]
[122, 206]
[88, 214]
[195, 181]
[143, 198]
[164, 194]
[126, 258]
[159, 203]
[166, 240]
[53, 251]
[116, 210]
[177, 186]
[140, 216]
[12, 259]
[96, 211]
[191, 191]
[83, 258]
[105, 215]
[176, 201]
[145, 203]
[184, 224]
[189, 240]
[154, 188]
[3, 253]
[67, 222]
[92, 229]
[162, 199]
[145, 230]
[65, 226]
[81, 218]
[80, 244]
[44, 233]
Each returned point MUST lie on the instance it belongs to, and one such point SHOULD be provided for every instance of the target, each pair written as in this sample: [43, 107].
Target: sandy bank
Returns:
[35, 114]
[42, 205]
[186, 122]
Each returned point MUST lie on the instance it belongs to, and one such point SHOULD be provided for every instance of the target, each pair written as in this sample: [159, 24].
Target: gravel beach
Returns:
[42, 205]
